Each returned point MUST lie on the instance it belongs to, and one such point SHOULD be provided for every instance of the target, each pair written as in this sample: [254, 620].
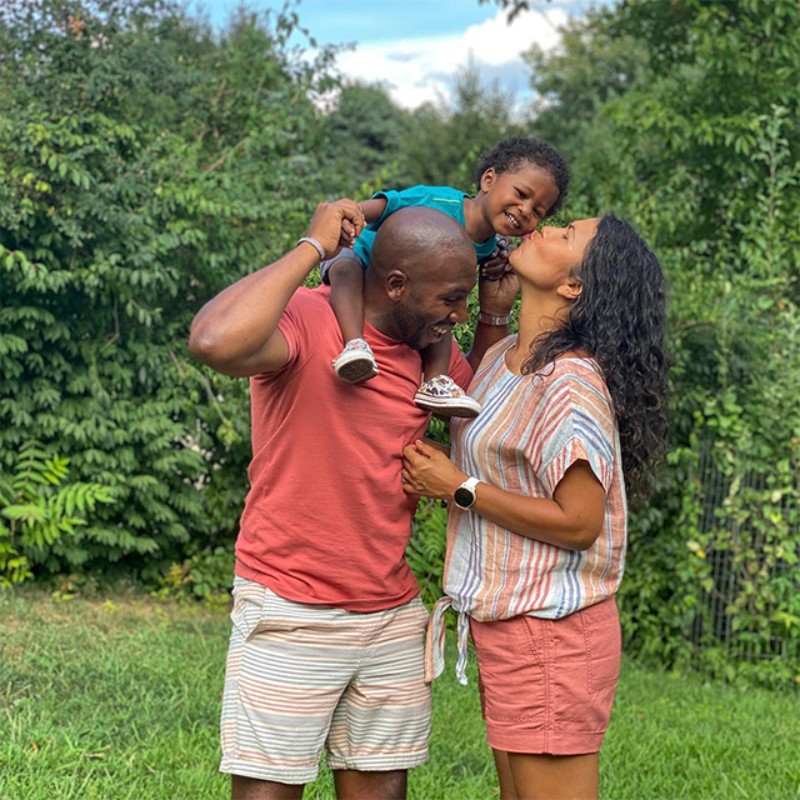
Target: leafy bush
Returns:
[425, 552]
[205, 575]
[144, 165]
[710, 176]
[39, 511]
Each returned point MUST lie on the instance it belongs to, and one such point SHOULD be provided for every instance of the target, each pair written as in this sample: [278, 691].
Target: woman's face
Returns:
[548, 256]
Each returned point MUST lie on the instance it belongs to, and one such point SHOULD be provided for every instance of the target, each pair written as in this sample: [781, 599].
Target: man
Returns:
[326, 647]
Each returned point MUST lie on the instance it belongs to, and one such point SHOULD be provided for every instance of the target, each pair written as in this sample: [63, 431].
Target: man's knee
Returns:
[243, 788]
[354, 785]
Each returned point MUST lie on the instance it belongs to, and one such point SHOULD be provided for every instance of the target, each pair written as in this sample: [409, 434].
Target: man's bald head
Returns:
[420, 240]
[422, 269]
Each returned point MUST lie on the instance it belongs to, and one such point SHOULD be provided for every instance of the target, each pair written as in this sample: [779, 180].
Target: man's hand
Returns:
[337, 224]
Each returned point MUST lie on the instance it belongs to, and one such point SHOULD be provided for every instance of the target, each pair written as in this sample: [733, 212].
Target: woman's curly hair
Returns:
[516, 153]
[618, 319]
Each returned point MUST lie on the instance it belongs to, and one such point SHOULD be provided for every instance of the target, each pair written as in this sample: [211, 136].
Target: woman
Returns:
[573, 412]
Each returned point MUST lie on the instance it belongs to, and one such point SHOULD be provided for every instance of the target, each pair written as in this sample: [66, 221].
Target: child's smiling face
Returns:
[514, 202]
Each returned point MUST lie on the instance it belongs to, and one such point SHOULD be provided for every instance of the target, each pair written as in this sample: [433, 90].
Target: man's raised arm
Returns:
[237, 331]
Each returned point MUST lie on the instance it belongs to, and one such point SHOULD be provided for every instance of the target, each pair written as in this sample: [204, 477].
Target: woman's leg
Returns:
[543, 777]
[539, 692]
[504, 776]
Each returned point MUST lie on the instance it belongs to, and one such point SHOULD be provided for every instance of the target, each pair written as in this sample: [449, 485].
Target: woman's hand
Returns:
[428, 472]
[497, 295]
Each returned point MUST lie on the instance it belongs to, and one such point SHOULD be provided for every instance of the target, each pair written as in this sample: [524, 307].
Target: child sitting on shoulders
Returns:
[520, 182]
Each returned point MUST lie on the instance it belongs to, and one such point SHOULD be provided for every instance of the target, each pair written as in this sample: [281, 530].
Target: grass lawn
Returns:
[119, 698]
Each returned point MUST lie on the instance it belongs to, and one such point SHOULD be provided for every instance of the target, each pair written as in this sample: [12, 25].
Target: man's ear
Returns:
[487, 179]
[570, 290]
[396, 283]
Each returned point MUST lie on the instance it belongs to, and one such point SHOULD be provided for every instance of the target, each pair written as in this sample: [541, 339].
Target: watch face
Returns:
[463, 497]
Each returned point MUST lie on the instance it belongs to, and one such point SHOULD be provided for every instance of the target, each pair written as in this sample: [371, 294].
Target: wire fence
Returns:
[749, 617]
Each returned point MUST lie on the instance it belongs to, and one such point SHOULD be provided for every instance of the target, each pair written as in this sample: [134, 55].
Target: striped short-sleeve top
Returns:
[531, 429]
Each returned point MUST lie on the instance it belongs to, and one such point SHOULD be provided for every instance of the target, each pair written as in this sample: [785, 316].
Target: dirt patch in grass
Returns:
[30, 615]
[25, 605]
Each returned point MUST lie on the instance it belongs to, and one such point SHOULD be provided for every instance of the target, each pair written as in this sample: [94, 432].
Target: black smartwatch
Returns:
[465, 496]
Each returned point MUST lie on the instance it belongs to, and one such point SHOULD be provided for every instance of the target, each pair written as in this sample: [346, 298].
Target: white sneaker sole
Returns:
[449, 406]
[355, 368]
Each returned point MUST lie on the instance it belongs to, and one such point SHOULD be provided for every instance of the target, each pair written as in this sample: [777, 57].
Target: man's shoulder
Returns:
[310, 297]
[308, 309]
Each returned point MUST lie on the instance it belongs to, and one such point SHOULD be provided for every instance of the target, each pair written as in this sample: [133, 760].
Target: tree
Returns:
[592, 65]
[143, 166]
[37, 512]
[444, 142]
[361, 138]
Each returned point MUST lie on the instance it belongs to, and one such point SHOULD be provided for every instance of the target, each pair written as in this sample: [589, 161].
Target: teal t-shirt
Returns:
[442, 198]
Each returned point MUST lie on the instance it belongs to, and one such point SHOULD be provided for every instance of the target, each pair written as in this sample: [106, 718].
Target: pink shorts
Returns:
[547, 686]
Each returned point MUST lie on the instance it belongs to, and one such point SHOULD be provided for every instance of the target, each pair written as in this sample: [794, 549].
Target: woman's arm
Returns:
[496, 299]
[573, 519]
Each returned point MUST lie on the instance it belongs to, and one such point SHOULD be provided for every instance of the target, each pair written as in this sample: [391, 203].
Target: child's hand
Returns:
[349, 233]
[496, 265]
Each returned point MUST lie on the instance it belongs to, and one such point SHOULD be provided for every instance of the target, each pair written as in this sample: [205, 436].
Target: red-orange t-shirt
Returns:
[326, 520]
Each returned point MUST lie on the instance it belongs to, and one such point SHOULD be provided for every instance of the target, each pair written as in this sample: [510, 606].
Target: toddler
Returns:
[520, 182]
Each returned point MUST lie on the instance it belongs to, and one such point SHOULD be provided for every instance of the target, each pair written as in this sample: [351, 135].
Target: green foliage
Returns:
[362, 138]
[39, 511]
[205, 575]
[444, 142]
[425, 552]
[144, 165]
[374, 144]
[592, 66]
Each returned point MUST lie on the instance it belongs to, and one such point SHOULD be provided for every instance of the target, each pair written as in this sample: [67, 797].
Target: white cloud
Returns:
[497, 42]
[420, 69]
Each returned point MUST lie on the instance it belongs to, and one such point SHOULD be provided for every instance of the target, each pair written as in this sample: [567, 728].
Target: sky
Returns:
[415, 48]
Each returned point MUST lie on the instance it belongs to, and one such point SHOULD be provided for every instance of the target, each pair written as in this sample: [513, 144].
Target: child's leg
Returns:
[356, 362]
[440, 393]
[436, 358]
[347, 296]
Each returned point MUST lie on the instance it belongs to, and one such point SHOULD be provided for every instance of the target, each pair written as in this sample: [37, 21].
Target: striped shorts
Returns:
[301, 679]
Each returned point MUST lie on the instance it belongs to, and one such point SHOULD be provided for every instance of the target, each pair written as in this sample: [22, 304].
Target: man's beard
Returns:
[411, 327]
